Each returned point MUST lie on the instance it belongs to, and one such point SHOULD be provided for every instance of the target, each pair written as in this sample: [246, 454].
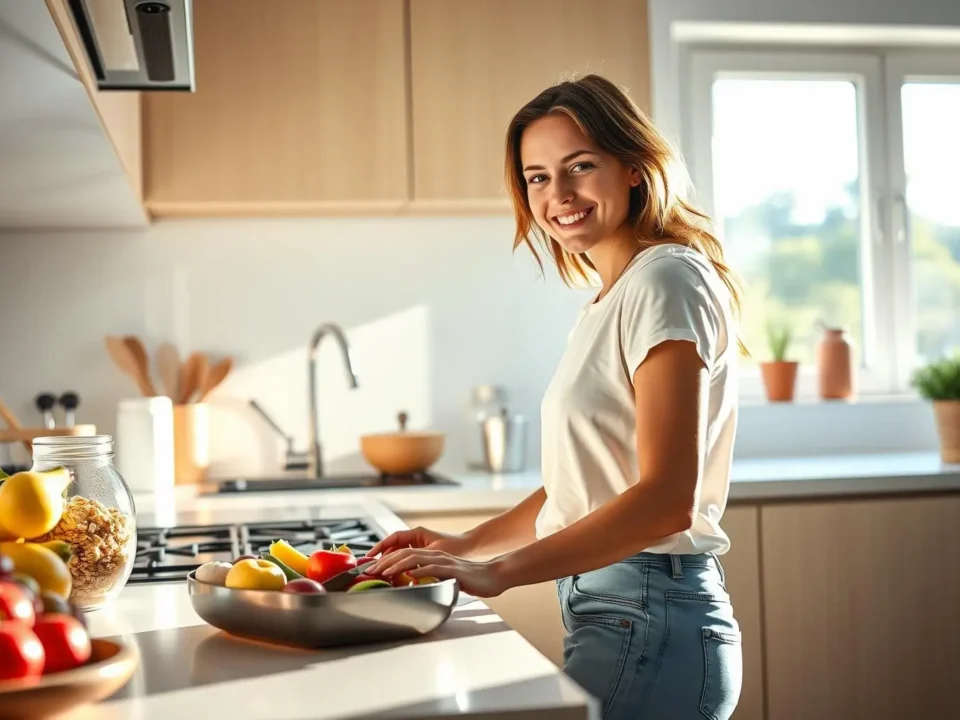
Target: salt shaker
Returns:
[144, 444]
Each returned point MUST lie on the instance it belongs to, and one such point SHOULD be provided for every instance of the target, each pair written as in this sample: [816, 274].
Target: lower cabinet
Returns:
[862, 609]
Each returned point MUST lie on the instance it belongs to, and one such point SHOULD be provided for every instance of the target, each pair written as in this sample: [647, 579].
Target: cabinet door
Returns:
[300, 106]
[861, 606]
[474, 64]
[741, 566]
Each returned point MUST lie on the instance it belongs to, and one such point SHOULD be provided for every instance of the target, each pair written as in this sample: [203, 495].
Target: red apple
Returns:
[303, 586]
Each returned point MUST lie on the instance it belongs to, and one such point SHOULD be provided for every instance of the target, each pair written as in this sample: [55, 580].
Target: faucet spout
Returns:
[315, 452]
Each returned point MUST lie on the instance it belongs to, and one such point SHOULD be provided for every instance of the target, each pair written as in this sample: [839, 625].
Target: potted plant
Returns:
[779, 375]
[939, 382]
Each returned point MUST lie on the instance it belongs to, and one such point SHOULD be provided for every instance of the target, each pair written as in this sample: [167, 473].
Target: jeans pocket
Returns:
[595, 656]
[723, 675]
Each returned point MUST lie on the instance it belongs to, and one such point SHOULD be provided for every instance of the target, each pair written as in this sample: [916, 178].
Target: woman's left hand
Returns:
[481, 579]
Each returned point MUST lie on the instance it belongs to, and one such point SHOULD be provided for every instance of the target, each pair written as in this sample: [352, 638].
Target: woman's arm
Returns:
[671, 387]
[508, 531]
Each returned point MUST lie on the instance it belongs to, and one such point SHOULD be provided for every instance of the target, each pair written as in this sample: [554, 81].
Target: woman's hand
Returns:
[482, 579]
[421, 537]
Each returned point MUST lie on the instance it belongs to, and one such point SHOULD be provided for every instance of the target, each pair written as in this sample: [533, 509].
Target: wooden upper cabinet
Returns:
[300, 107]
[474, 64]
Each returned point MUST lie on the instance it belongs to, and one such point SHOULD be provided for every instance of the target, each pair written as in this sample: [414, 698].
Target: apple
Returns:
[304, 586]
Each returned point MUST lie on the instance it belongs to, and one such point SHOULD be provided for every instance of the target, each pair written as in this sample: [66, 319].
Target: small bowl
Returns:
[110, 666]
[403, 452]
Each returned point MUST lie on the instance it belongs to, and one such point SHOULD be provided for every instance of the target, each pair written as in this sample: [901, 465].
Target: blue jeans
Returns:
[654, 636]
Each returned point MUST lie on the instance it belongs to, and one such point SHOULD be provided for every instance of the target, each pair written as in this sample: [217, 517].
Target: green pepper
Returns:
[287, 570]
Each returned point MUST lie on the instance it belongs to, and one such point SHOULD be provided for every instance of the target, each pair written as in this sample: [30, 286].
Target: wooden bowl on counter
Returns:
[110, 666]
[403, 452]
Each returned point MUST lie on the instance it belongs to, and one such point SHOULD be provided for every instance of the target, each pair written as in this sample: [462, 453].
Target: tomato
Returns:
[324, 564]
[65, 641]
[21, 653]
[16, 603]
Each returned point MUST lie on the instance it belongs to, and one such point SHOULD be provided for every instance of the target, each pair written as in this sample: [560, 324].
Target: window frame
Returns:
[900, 67]
[865, 71]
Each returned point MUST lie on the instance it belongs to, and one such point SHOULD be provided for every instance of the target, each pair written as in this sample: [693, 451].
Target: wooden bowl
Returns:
[110, 666]
[403, 452]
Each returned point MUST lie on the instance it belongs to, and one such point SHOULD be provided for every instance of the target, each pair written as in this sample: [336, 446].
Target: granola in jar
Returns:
[103, 540]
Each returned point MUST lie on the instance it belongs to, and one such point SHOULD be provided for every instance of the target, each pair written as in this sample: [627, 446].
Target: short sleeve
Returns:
[668, 299]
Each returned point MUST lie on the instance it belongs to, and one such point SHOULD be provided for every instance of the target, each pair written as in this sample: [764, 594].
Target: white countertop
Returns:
[752, 480]
[472, 665]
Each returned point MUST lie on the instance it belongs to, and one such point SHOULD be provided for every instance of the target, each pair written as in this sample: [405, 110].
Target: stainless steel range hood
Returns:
[137, 44]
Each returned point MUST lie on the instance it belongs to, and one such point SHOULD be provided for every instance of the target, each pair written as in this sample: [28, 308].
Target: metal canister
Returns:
[505, 442]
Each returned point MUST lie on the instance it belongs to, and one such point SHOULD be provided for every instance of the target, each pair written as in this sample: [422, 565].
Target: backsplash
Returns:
[431, 307]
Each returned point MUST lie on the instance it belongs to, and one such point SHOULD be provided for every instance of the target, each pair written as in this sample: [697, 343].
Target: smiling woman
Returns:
[638, 422]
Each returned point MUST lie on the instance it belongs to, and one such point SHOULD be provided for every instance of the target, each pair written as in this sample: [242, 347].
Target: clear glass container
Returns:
[99, 517]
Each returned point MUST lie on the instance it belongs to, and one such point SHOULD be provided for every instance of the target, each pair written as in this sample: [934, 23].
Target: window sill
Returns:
[752, 400]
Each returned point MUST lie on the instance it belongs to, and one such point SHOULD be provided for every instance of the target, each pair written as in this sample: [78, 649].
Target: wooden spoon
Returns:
[125, 360]
[14, 424]
[193, 376]
[216, 376]
[168, 367]
[139, 354]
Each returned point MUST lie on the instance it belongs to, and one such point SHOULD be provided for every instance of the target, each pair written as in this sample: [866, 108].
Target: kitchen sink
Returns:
[332, 482]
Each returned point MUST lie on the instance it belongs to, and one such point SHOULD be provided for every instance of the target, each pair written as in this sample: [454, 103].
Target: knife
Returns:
[343, 580]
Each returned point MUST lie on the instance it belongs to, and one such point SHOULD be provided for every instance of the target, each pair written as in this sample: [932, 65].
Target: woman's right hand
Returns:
[421, 537]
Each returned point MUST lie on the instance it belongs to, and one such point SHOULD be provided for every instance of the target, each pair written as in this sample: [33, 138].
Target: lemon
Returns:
[40, 563]
[289, 556]
[31, 503]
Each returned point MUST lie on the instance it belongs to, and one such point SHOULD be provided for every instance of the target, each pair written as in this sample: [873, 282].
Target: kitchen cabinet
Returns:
[474, 64]
[119, 112]
[300, 107]
[741, 567]
[860, 603]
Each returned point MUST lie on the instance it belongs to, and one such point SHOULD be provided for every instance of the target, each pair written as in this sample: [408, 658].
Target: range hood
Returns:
[137, 44]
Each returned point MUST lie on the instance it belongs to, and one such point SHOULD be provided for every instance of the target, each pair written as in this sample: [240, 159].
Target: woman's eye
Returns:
[581, 166]
[536, 179]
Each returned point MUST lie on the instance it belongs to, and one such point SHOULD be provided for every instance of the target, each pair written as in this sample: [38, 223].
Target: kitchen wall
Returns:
[432, 307]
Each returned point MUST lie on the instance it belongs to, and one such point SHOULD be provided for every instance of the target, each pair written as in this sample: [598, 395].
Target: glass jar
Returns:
[99, 517]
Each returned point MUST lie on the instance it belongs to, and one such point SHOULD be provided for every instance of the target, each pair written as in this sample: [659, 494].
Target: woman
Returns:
[638, 422]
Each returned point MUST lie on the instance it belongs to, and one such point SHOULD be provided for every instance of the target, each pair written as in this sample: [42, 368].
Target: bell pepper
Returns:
[324, 564]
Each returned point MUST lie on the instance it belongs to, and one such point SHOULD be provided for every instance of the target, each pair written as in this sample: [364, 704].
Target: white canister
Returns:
[143, 444]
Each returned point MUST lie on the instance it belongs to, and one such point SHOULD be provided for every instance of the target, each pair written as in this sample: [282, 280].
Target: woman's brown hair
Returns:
[658, 211]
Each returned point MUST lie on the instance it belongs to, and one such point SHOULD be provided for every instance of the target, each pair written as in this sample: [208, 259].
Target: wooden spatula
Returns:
[14, 424]
[128, 363]
[216, 376]
[168, 368]
[193, 375]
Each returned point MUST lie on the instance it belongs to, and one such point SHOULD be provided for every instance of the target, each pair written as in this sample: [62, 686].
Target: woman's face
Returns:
[579, 194]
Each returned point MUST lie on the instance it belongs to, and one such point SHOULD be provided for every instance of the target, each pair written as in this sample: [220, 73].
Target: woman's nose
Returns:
[562, 191]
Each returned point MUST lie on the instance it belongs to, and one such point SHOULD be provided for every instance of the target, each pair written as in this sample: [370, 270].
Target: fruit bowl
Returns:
[110, 666]
[325, 619]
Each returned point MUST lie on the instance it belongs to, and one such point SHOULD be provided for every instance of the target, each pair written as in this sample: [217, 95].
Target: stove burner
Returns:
[170, 554]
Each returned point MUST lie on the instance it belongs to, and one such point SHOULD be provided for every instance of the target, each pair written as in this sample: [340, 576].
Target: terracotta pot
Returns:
[402, 452]
[835, 365]
[779, 379]
[947, 414]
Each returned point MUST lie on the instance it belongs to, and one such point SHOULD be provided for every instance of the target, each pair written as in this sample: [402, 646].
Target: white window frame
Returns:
[900, 67]
[888, 327]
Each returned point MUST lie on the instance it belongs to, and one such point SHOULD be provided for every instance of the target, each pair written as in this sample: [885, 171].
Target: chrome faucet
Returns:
[312, 459]
[315, 454]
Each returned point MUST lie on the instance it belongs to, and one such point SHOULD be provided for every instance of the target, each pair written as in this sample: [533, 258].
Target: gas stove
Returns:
[168, 554]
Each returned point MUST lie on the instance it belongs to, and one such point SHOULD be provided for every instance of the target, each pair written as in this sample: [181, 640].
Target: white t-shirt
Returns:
[588, 414]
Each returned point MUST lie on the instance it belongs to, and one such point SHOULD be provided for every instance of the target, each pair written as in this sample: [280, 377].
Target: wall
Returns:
[432, 307]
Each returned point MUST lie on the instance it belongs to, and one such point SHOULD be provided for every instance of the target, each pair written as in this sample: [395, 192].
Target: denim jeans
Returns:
[654, 637]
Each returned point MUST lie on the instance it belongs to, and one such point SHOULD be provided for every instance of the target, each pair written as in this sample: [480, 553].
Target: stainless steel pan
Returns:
[328, 619]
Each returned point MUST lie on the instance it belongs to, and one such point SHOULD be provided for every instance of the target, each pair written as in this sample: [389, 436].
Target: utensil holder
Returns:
[191, 442]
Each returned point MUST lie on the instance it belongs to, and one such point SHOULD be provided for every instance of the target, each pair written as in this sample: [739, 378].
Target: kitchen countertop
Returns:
[472, 665]
[752, 480]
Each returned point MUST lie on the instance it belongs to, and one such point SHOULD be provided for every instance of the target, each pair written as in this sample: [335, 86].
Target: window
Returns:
[831, 179]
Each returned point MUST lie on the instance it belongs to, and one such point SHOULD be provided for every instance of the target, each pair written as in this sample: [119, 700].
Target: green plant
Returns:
[939, 380]
[779, 338]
